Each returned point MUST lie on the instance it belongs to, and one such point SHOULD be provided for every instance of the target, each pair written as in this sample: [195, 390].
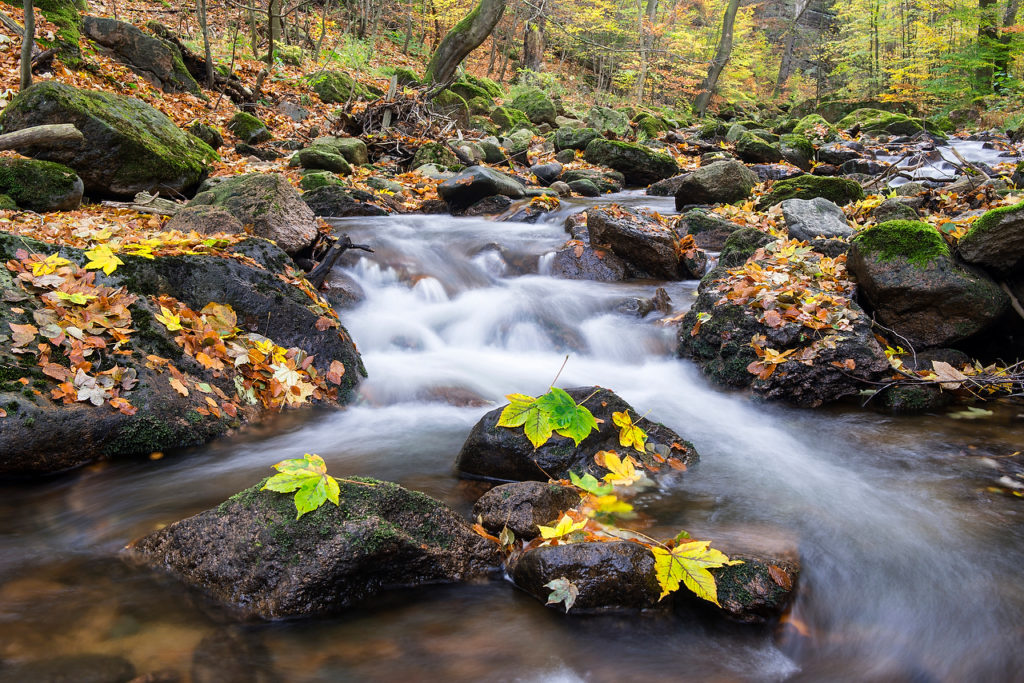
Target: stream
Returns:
[911, 566]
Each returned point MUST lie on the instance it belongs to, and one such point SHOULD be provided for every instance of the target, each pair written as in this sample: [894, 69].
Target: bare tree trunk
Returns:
[205, 28]
[707, 88]
[785, 65]
[465, 37]
[987, 38]
[273, 28]
[646, 20]
[533, 44]
[28, 41]
[50, 135]
[1002, 62]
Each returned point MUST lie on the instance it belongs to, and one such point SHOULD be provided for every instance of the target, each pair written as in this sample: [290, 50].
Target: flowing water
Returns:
[911, 567]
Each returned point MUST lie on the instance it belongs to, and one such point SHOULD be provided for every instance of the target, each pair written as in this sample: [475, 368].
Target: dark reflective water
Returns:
[911, 567]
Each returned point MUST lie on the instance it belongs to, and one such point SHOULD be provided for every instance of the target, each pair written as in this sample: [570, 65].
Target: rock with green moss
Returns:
[650, 126]
[129, 146]
[408, 77]
[65, 15]
[709, 230]
[537, 106]
[839, 191]
[40, 186]
[867, 120]
[479, 106]
[42, 436]
[208, 134]
[252, 555]
[290, 54]
[318, 179]
[605, 120]
[469, 91]
[490, 87]
[712, 129]
[996, 241]
[7, 204]
[248, 128]
[353, 149]
[336, 87]
[321, 158]
[437, 154]
[268, 203]
[754, 149]
[797, 150]
[717, 182]
[639, 165]
[574, 138]
[894, 209]
[906, 273]
[451, 104]
[507, 118]
[816, 128]
[154, 59]
[610, 181]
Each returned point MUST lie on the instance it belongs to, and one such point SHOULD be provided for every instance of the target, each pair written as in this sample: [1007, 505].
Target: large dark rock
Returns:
[755, 150]
[267, 202]
[252, 554]
[41, 436]
[611, 577]
[639, 165]
[810, 218]
[522, 505]
[579, 261]
[996, 241]
[641, 240]
[757, 591]
[129, 146]
[709, 230]
[334, 201]
[718, 182]
[475, 183]
[155, 60]
[40, 186]
[605, 120]
[537, 106]
[906, 274]
[839, 191]
[502, 453]
[574, 138]
[547, 173]
[667, 187]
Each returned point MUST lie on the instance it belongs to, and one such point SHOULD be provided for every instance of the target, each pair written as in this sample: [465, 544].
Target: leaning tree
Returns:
[466, 36]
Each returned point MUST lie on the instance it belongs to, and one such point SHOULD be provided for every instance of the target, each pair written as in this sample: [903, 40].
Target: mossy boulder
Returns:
[709, 230]
[253, 556]
[451, 104]
[610, 181]
[815, 127]
[489, 86]
[537, 106]
[906, 274]
[469, 91]
[40, 186]
[605, 120]
[717, 182]
[479, 106]
[353, 149]
[321, 158]
[290, 54]
[712, 129]
[129, 146]
[996, 241]
[754, 149]
[839, 191]
[408, 77]
[868, 120]
[43, 436]
[269, 204]
[318, 179]
[574, 138]
[797, 150]
[65, 15]
[650, 126]
[208, 134]
[437, 154]
[503, 453]
[336, 87]
[153, 58]
[639, 165]
[248, 128]
[508, 118]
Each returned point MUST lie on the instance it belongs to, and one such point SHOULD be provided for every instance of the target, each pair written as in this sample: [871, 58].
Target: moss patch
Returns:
[992, 218]
[917, 242]
[837, 190]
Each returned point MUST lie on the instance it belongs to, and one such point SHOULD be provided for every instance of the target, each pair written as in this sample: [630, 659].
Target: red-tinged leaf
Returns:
[57, 372]
[772, 318]
[3, 413]
[230, 409]
[335, 372]
[324, 323]
[780, 576]
[676, 464]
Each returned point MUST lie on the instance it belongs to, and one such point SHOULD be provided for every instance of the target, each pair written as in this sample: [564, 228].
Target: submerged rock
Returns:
[252, 555]
[502, 453]
[83, 668]
[583, 262]
[523, 505]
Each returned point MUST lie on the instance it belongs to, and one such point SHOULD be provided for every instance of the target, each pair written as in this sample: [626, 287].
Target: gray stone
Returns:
[154, 59]
[721, 181]
[523, 505]
[475, 183]
[810, 218]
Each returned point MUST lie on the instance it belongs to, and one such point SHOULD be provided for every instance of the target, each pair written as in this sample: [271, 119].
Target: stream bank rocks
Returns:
[251, 554]
[503, 454]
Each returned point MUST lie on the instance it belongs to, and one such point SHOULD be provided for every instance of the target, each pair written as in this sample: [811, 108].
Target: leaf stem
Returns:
[552, 386]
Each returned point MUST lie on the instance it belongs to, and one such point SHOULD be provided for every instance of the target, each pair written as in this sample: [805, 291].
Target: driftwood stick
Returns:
[317, 276]
[49, 135]
[144, 202]
[11, 25]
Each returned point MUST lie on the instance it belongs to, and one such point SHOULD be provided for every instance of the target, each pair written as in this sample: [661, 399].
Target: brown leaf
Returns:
[953, 378]
[58, 372]
[780, 576]
[178, 386]
[323, 323]
[677, 464]
[335, 372]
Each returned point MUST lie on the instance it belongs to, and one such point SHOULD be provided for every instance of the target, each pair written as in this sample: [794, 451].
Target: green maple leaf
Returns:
[308, 477]
[689, 563]
[538, 428]
[518, 410]
[590, 484]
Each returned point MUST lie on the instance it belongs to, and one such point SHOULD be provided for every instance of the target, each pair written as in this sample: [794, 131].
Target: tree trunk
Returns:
[273, 28]
[707, 88]
[205, 28]
[1002, 61]
[533, 44]
[50, 135]
[646, 21]
[988, 37]
[28, 41]
[465, 37]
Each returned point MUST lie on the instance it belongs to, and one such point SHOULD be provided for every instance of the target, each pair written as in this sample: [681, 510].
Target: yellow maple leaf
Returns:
[171, 322]
[564, 527]
[629, 433]
[49, 265]
[622, 471]
[102, 258]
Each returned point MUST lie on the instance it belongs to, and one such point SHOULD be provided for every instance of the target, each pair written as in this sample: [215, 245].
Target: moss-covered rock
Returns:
[870, 120]
[437, 154]
[129, 146]
[65, 14]
[469, 91]
[709, 230]
[322, 158]
[208, 134]
[290, 54]
[720, 181]
[752, 148]
[317, 179]
[40, 186]
[7, 204]
[905, 272]
[253, 555]
[408, 77]
[815, 127]
[489, 86]
[507, 118]
[353, 149]
[605, 120]
[479, 106]
[839, 191]
[574, 138]
[248, 128]
[996, 241]
[797, 150]
[639, 165]
[712, 129]
[451, 104]
[335, 87]
[157, 60]
[537, 106]
[649, 125]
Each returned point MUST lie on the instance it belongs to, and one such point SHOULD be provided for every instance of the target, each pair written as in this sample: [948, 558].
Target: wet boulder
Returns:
[638, 164]
[709, 230]
[996, 241]
[522, 505]
[579, 261]
[584, 187]
[837, 154]
[129, 146]
[641, 239]
[335, 201]
[818, 217]
[756, 150]
[267, 202]
[758, 591]
[156, 60]
[611, 577]
[505, 454]
[667, 187]
[547, 173]
[252, 555]
[604, 181]
[906, 274]
[475, 183]
[719, 182]
[839, 191]
[40, 186]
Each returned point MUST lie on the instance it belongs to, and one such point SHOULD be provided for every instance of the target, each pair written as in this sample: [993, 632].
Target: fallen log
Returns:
[52, 135]
[145, 202]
